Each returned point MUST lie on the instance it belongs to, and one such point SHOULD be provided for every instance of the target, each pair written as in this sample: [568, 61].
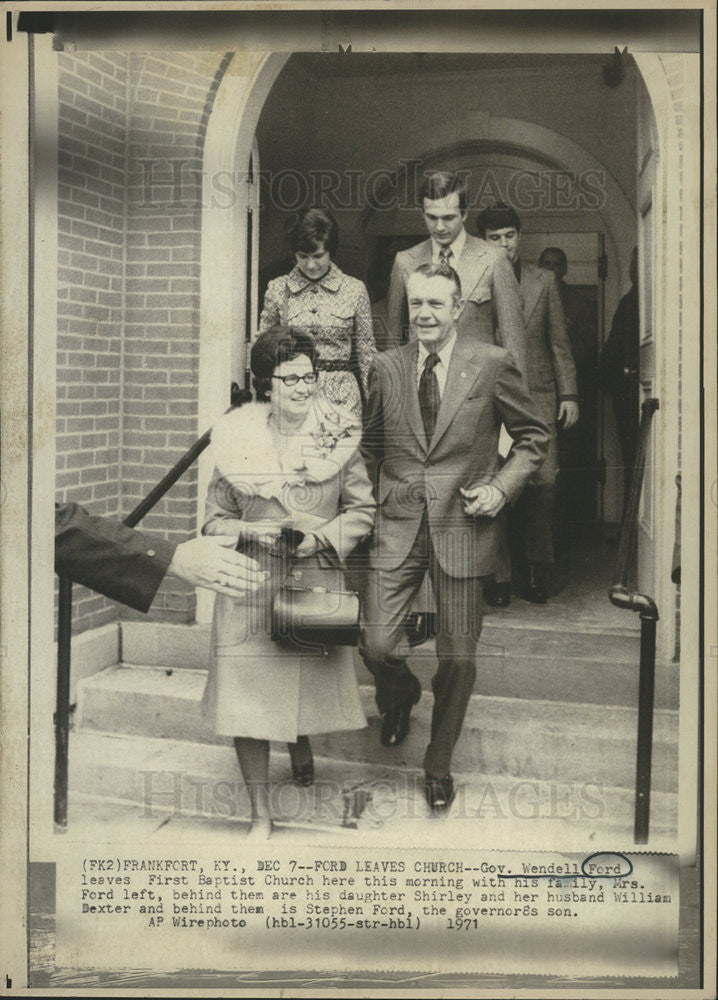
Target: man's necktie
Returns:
[445, 255]
[429, 398]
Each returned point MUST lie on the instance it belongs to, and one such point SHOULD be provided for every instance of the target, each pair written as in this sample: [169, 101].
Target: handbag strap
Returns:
[319, 590]
[322, 562]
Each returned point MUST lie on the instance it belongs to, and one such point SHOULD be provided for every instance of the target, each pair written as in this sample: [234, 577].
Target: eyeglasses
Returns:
[309, 379]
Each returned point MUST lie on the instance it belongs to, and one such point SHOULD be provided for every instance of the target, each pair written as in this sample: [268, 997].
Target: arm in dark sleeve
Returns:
[508, 312]
[372, 444]
[395, 305]
[560, 346]
[517, 411]
[105, 555]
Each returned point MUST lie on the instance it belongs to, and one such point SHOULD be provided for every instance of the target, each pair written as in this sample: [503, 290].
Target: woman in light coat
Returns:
[289, 459]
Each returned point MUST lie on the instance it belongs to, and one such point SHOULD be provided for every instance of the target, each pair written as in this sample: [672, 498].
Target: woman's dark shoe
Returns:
[303, 774]
[300, 754]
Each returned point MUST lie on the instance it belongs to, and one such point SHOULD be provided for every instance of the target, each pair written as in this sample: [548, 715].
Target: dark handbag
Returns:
[313, 606]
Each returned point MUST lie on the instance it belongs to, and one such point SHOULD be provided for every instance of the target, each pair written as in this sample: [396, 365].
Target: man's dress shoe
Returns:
[395, 725]
[498, 595]
[536, 587]
[439, 792]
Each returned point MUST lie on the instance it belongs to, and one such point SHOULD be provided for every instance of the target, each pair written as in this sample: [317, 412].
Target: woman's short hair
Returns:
[312, 230]
[272, 348]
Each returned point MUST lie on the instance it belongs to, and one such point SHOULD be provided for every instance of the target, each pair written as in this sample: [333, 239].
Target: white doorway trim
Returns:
[677, 300]
[225, 199]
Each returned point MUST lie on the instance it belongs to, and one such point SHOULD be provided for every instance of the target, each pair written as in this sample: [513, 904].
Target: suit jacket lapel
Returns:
[471, 266]
[531, 286]
[411, 394]
[460, 377]
[418, 255]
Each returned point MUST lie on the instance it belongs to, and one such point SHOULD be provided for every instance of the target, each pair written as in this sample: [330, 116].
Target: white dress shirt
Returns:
[442, 368]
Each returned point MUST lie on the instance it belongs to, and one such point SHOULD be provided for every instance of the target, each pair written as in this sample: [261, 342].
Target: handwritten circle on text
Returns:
[606, 864]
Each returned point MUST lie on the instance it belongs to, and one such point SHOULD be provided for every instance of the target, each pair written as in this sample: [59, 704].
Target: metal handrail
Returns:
[645, 606]
[64, 634]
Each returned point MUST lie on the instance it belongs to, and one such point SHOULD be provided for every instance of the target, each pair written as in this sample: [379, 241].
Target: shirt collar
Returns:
[444, 354]
[330, 281]
[457, 247]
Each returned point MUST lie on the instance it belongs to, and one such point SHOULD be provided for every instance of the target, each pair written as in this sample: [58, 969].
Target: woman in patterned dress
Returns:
[333, 307]
[290, 459]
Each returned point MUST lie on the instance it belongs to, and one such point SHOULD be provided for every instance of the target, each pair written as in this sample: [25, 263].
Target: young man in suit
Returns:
[552, 384]
[434, 410]
[491, 309]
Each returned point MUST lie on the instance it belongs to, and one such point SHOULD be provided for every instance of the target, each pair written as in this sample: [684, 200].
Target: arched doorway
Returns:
[230, 135]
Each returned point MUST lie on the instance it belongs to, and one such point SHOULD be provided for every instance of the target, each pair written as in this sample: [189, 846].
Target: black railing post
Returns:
[167, 482]
[64, 635]
[644, 747]
[62, 704]
[646, 607]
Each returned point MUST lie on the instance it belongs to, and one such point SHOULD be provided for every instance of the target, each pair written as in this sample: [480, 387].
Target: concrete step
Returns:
[171, 780]
[166, 644]
[531, 739]
[567, 665]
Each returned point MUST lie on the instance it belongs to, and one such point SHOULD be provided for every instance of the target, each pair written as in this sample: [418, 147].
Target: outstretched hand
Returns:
[210, 561]
[483, 501]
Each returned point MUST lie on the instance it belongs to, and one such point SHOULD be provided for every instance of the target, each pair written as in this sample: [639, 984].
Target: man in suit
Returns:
[576, 483]
[620, 374]
[434, 410]
[129, 565]
[552, 384]
[491, 309]
[579, 314]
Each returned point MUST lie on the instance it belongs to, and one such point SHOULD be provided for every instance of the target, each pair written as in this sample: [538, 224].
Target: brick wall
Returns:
[131, 132]
[171, 99]
[92, 169]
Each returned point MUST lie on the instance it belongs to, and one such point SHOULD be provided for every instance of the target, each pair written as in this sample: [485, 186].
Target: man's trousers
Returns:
[389, 597]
